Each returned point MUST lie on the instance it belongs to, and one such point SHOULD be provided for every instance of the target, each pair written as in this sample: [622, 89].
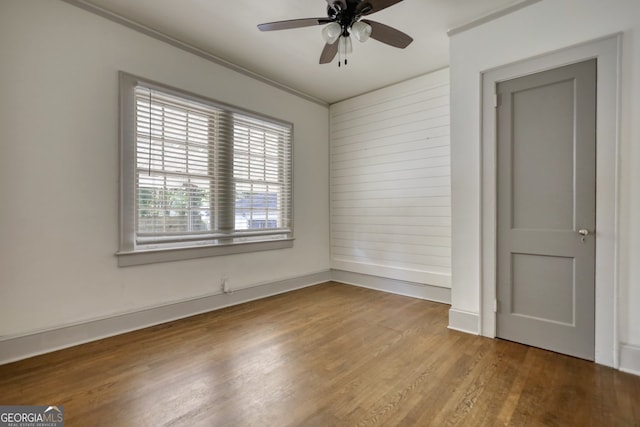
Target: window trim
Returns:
[129, 254]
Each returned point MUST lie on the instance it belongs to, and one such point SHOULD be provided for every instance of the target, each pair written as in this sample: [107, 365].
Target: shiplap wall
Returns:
[390, 182]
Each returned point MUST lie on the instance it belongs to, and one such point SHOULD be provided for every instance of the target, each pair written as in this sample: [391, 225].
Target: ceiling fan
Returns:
[343, 19]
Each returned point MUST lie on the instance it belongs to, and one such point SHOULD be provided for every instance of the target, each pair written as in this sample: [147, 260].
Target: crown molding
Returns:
[490, 16]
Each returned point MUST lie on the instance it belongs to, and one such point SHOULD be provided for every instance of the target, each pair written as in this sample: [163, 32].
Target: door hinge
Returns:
[496, 305]
[496, 100]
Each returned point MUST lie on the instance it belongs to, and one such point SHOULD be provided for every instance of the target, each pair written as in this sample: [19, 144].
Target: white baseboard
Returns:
[630, 359]
[399, 274]
[24, 346]
[464, 321]
[400, 287]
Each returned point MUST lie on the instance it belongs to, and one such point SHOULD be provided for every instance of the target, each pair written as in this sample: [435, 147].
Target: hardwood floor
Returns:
[327, 355]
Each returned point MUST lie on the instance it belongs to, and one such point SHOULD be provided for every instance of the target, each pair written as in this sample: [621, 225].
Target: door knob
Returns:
[584, 233]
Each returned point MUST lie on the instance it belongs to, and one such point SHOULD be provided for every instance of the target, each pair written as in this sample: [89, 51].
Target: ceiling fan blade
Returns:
[293, 23]
[389, 35]
[367, 7]
[329, 52]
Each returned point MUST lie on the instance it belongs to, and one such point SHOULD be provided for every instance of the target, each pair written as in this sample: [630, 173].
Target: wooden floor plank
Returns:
[328, 355]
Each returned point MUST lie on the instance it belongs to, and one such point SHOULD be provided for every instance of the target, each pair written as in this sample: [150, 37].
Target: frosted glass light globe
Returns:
[361, 31]
[331, 32]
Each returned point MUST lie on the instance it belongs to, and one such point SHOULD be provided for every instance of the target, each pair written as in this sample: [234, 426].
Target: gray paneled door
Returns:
[546, 209]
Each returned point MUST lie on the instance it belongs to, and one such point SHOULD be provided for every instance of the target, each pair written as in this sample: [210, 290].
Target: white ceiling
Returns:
[227, 29]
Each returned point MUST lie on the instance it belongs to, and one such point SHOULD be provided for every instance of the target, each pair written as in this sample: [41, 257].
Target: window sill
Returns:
[152, 256]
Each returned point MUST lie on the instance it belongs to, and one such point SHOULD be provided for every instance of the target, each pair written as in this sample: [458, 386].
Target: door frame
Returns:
[607, 51]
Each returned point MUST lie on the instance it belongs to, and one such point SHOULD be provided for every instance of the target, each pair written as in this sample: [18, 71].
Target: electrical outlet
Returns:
[226, 288]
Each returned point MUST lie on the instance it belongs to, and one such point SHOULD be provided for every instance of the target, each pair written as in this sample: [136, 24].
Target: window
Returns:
[199, 178]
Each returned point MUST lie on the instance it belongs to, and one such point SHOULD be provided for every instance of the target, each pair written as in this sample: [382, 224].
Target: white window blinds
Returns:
[206, 173]
[175, 167]
[260, 156]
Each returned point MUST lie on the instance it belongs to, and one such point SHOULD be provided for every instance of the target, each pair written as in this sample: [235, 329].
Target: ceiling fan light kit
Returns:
[331, 32]
[361, 31]
[344, 17]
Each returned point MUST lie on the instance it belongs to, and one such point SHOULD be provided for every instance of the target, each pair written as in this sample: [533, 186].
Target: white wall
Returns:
[59, 170]
[390, 182]
[537, 29]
